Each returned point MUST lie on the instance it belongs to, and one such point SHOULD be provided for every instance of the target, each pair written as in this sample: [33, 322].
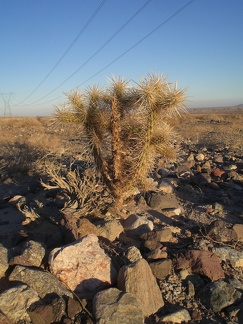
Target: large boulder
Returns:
[83, 266]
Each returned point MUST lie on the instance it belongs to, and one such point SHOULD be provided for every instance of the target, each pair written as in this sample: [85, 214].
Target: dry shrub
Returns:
[82, 187]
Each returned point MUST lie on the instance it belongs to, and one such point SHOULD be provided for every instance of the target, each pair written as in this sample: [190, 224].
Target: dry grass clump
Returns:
[82, 188]
[126, 128]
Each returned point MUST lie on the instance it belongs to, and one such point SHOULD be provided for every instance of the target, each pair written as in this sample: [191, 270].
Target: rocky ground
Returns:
[172, 254]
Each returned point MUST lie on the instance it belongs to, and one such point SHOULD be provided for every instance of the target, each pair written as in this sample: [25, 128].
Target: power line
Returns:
[95, 53]
[67, 50]
[128, 50]
[140, 41]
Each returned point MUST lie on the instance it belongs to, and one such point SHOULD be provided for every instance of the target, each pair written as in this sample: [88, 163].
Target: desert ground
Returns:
[202, 211]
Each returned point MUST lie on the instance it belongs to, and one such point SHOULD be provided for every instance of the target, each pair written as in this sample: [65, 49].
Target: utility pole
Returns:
[6, 100]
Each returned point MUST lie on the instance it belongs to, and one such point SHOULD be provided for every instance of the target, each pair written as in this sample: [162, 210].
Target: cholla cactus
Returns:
[127, 127]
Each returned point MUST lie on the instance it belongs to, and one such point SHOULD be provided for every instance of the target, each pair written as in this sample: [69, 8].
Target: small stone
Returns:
[162, 201]
[184, 273]
[218, 159]
[200, 157]
[190, 289]
[176, 317]
[74, 307]
[217, 172]
[133, 254]
[85, 227]
[40, 314]
[201, 179]
[161, 268]
[163, 173]
[138, 224]
[166, 186]
[206, 166]
[238, 228]
[110, 229]
[219, 232]
[33, 252]
[113, 306]
[156, 254]
[169, 212]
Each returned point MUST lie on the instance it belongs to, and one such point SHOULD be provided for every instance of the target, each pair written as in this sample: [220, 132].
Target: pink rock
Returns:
[83, 266]
[217, 172]
[201, 262]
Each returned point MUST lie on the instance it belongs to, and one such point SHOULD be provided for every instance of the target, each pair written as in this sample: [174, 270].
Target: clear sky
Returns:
[49, 47]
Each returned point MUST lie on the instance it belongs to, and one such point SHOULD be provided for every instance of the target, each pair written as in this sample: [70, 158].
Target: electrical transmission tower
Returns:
[6, 100]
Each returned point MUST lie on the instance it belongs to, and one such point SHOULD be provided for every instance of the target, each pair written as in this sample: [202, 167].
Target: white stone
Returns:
[83, 266]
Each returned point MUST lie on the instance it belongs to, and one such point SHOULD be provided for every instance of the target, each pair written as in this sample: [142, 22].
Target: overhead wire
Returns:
[125, 52]
[140, 41]
[67, 50]
[98, 51]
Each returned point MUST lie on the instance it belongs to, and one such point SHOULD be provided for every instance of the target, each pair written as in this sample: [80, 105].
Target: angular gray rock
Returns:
[33, 252]
[41, 281]
[113, 306]
[137, 278]
[3, 260]
[161, 268]
[162, 201]
[138, 224]
[83, 266]
[15, 301]
[218, 295]
[219, 232]
[235, 258]
[110, 229]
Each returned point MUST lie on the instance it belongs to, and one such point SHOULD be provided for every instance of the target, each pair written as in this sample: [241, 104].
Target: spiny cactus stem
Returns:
[116, 139]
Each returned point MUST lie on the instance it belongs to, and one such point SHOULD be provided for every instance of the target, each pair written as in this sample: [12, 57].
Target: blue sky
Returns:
[45, 43]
